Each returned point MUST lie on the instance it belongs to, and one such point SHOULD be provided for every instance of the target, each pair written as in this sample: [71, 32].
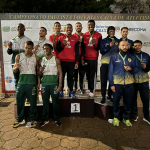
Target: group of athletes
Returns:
[46, 62]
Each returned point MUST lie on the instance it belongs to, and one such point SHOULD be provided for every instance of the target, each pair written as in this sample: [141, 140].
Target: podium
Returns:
[83, 106]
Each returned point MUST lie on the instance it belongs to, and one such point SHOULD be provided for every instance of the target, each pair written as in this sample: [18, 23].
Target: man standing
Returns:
[38, 48]
[68, 48]
[92, 41]
[121, 69]
[141, 82]
[124, 34]
[81, 68]
[108, 47]
[27, 64]
[16, 46]
[50, 68]
[54, 37]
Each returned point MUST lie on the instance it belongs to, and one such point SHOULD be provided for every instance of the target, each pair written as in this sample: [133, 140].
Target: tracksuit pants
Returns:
[104, 79]
[28, 91]
[46, 91]
[127, 91]
[91, 72]
[68, 67]
[16, 76]
[143, 88]
[81, 70]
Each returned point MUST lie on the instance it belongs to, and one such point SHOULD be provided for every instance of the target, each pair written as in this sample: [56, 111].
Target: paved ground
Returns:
[74, 134]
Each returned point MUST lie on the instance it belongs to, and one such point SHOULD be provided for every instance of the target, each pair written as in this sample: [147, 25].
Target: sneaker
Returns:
[33, 124]
[134, 117]
[61, 94]
[27, 102]
[43, 123]
[127, 122]
[109, 99]
[82, 92]
[71, 94]
[102, 101]
[16, 124]
[147, 119]
[75, 91]
[116, 122]
[58, 123]
[91, 94]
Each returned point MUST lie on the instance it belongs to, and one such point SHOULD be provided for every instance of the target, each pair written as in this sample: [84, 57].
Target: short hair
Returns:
[21, 24]
[124, 28]
[47, 44]
[44, 28]
[29, 43]
[57, 23]
[69, 24]
[91, 21]
[110, 28]
[137, 41]
[78, 23]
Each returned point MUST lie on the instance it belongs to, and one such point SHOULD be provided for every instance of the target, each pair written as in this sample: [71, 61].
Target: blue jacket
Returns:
[108, 51]
[131, 50]
[142, 74]
[117, 74]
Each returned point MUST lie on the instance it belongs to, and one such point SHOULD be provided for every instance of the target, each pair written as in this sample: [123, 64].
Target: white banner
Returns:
[137, 30]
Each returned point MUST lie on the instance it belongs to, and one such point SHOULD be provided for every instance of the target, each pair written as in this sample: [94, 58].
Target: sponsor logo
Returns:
[63, 29]
[5, 43]
[137, 29]
[6, 28]
[15, 28]
[8, 79]
[117, 29]
[146, 44]
[100, 28]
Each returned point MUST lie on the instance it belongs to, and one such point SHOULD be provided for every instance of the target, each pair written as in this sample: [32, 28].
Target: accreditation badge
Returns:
[129, 59]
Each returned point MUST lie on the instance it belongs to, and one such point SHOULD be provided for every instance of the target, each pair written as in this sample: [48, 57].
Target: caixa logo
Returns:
[137, 29]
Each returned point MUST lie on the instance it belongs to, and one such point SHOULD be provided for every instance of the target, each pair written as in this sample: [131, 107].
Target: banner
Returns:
[138, 30]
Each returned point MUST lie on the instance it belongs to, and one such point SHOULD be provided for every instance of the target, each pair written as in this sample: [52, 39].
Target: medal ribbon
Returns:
[123, 58]
[140, 59]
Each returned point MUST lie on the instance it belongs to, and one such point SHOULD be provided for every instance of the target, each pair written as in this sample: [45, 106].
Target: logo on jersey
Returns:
[68, 45]
[116, 43]
[6, 28]
[8, 79]
[129, 59]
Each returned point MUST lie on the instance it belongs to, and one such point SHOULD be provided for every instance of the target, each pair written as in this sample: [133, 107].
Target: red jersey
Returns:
[91, 52]
[78, 37]
[51, 39]
[70, 49]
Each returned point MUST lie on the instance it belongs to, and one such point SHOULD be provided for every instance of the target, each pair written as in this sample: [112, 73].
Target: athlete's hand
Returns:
[64, 42]
[127, 68]
[42, 69]
[10, 45]
[82, 62]
[93, 41]
[54, 37]
[59, 89]
[18, 65]
[113, 88]
[112, 43]
[143, 65]
[76, 66]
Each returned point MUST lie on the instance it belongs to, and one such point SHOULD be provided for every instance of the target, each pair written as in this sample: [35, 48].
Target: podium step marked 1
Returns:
[82, 106]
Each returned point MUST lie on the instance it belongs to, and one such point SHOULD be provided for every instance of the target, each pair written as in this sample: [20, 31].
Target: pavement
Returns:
[74, 134]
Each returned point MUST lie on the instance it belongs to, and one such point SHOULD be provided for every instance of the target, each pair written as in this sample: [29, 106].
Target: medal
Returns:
[80, 37]
[66, 39]
[90, 38]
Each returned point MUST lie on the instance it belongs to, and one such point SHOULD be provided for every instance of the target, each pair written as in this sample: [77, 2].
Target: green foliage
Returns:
[55, 6]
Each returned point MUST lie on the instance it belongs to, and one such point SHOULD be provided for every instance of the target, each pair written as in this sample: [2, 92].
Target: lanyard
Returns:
[123, 58]
[111, 38]
[125, 40]
[79, 35]
[91, 35]
[41, 41]
[67, 38]
[140, 59]
[56, 33]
